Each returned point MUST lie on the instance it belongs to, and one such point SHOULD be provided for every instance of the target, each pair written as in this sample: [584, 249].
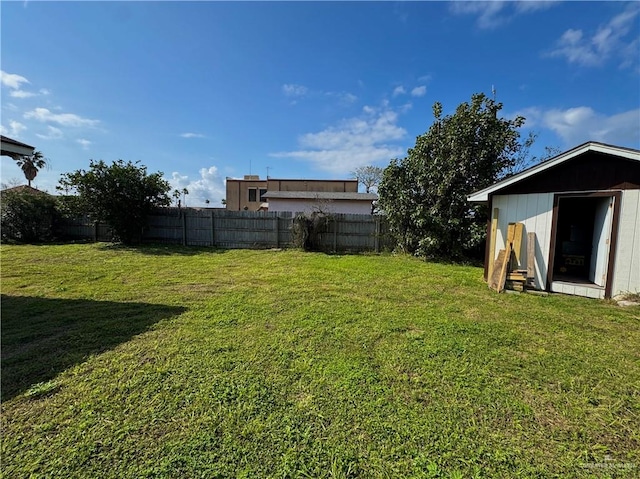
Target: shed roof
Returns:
[591, 146]
[320, 195]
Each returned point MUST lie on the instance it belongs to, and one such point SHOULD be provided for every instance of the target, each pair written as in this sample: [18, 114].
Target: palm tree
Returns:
[176, 195]
[31, 164]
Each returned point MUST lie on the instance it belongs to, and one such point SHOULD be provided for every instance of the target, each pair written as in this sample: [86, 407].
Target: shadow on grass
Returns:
[159, 249]
[42, 337]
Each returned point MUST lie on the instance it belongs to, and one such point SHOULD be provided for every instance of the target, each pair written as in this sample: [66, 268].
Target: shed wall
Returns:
[626, 276]
[535, 211]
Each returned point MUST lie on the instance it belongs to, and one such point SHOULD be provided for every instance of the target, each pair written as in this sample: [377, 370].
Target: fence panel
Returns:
[165, 227]
[245, 229]
[242, 229]
[197, 225]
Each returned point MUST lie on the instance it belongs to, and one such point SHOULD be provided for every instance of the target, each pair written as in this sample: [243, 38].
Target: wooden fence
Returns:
[220, 228]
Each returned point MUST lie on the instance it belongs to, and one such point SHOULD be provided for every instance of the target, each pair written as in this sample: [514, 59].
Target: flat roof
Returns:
[305, 179]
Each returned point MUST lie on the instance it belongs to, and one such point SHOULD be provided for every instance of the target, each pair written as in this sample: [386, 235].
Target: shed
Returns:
[584, 208]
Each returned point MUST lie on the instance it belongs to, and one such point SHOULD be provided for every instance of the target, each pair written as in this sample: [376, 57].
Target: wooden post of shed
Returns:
[492, 242]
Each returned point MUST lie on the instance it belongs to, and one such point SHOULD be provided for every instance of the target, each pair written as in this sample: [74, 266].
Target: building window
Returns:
[263, 191]
[253, 195]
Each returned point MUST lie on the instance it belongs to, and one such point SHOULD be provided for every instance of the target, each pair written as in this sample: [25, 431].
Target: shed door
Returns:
[601, 241]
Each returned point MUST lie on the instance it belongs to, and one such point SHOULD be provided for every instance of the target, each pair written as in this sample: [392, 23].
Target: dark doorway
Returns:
[582, 239]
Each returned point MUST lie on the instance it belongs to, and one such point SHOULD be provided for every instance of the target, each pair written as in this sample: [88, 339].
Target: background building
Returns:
[248, 194]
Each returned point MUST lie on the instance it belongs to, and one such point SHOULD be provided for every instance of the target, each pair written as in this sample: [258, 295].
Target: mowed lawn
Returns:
[176, 362]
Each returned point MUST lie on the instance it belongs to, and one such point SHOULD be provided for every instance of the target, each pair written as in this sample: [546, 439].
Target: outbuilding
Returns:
[583, 207]
[321, 201]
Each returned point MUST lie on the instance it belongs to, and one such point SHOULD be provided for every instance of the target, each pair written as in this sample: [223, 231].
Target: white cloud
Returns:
[64, 119]
[192, 135]
[12, 80]
[399, 90]
[492, 14]
[488, 12]
[534, 5]
[419, 91]
[353, 142]
[210, 186]
[349, 97]
[610, 40]
[14, 130]
[21, 94]
[44, 91]
[84, 143]
[291, 89]
[343, 97]
[405, 108]
[53, 133]
[10, 106]
[579, 124]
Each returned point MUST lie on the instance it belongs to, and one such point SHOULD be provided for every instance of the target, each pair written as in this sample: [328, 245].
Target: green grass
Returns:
[169, 362]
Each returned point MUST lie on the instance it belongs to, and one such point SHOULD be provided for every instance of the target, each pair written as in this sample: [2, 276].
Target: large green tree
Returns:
[424, 194]
[121, 194]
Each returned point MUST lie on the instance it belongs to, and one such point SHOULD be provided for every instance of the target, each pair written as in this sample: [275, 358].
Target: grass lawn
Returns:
[172, 362]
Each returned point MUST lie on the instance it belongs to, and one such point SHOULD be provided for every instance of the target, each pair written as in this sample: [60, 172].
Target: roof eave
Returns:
[482, 196]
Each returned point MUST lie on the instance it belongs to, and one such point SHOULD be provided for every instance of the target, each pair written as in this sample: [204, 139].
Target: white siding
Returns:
[626, 275]
[577, 289]
[357, 207]
[536, 212]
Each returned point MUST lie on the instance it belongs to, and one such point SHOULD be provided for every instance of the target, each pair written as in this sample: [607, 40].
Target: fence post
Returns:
[184, 228]
[335, 234]
[95, 231]
[376, 241]
[277, 228]
[213, 238]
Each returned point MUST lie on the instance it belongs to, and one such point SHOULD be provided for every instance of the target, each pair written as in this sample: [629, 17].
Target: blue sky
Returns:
[207, 90]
